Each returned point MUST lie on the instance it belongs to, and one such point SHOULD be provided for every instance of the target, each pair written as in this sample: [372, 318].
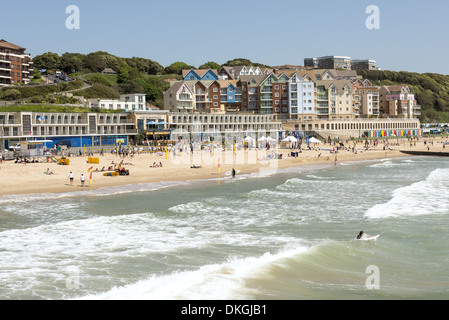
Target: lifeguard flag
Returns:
[91, 169]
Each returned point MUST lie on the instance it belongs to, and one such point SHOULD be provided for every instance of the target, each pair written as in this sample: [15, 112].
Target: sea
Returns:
[287, 234]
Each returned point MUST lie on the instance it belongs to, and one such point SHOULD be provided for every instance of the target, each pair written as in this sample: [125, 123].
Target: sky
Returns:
[412, 35]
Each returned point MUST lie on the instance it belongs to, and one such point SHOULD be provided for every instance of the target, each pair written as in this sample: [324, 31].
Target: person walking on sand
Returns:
[71, 178]
[82, 180]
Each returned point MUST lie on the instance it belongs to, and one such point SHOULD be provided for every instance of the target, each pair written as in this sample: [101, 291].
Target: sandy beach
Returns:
[31, 178]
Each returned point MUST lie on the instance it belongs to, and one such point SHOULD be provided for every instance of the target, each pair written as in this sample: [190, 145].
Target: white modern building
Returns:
[301, 97]
[126, 102]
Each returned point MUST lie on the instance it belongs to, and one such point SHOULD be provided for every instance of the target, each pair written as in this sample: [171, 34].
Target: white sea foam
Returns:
[223, 281]
[421, 198]
[100, 192]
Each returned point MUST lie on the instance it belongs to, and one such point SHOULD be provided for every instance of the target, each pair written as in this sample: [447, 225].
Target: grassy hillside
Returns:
[23, 92]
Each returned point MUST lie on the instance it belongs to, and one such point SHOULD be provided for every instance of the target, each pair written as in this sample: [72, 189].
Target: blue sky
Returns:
[413, 35]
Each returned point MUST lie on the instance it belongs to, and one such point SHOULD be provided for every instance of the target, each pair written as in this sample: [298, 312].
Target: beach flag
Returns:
[91, 169]
[218, 164]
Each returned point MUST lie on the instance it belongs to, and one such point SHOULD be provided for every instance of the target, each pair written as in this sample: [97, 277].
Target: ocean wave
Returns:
[224, 281]
[384, 164]
[420, 198]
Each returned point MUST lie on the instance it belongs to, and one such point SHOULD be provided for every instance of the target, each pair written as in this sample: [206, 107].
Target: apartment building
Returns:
[251, 95]
[296, 95]
[335, 99]
[126, 102]
[340, 62]
[15, 64]
[366, 99]
[329, 62]
[179, 97]
[365, 64]
[302, 95]
[398, 101]
[230, 95]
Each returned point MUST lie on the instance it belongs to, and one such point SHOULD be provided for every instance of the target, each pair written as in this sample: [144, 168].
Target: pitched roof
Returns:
[226, 83]
[396, 88]
[339, 84]
[228, 70]
[9, 45]
[199, 72]
[257, 78]
[301, 73]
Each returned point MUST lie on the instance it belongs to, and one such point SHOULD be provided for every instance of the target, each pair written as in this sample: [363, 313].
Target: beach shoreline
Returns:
[31, 178]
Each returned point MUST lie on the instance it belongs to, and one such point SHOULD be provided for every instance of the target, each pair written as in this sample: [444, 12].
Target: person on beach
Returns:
[71, 178]
[82, 180]
[233, 172]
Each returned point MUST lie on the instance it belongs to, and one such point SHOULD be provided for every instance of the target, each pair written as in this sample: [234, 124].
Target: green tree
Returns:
[244, 62]
[71, 62]
[12, 94]
[47, 61]
[210, 65]
[177, 67]
[146, 66]
[127, 73]
[95, 61]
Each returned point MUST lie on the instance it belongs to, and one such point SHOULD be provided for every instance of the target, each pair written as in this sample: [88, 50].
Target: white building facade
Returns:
[301, 97]
[126, 102]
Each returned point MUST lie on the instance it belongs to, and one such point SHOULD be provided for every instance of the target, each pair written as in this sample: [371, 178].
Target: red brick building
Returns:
[15, 64]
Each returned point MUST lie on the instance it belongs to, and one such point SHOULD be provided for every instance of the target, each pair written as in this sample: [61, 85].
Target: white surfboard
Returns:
[370, 238]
